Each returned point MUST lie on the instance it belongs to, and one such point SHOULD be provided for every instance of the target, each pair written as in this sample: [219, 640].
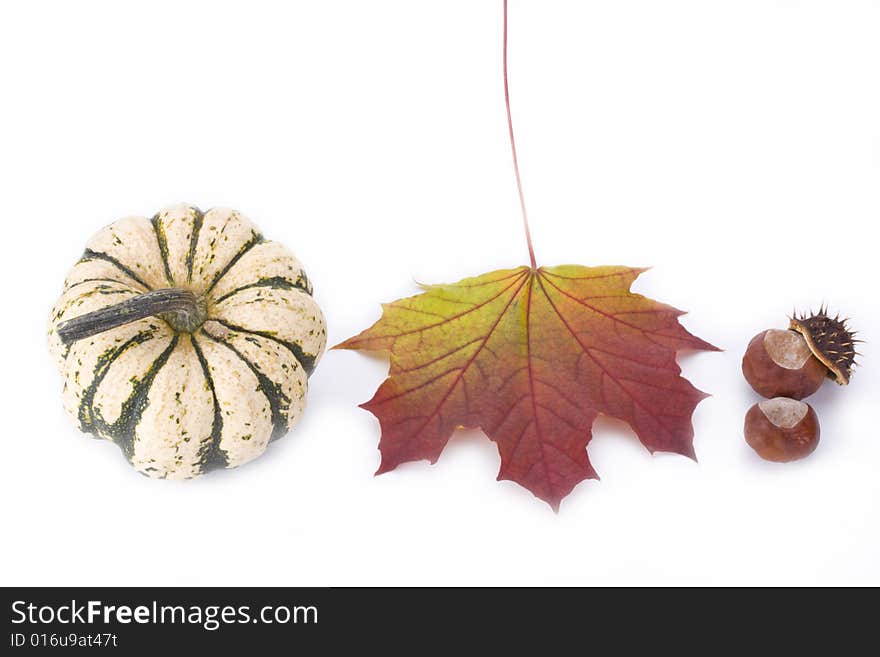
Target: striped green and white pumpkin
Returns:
[187, 339]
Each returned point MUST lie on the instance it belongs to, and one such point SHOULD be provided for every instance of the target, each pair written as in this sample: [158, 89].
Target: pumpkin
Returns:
[186, 339]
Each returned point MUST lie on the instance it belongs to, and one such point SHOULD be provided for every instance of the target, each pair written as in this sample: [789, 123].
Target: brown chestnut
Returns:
[782, 429]
[780, 364]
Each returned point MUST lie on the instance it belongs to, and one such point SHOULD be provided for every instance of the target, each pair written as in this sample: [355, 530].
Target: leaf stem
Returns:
[519, 187]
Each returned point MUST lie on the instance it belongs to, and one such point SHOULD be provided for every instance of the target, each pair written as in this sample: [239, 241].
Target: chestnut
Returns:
[779, 363]
[782, 429]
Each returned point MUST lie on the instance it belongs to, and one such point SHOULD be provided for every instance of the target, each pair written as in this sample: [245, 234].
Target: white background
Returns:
[734, 146]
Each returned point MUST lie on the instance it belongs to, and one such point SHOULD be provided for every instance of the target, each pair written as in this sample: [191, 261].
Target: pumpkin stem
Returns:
[183, 309]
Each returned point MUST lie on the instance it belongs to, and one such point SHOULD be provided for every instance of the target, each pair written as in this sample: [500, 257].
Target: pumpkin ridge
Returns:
[102, 280]
[273, 282]
[247, 246]
[86, 413]
[124, 428]
[210, 455]
[306, 360]
[193, 243]
[163, 247]
[279, 403]
[88, 254]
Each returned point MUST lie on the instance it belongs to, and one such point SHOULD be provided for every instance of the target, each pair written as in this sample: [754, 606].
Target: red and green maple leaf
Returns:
[531, 357]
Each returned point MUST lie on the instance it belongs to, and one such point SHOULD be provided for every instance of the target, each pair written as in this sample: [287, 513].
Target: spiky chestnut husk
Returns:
[830, 340]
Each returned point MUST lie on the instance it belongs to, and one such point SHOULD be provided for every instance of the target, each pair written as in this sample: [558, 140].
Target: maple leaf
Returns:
[531, 356]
